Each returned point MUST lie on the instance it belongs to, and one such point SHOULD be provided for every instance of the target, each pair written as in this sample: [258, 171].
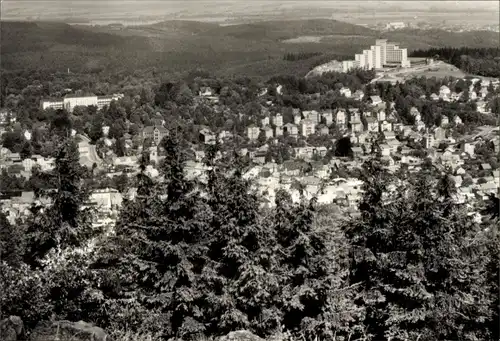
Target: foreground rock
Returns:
[12, 329]
[68, 331]
[241, 335]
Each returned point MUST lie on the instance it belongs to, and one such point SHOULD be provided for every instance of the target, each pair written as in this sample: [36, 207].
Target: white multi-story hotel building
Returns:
[377, 56]
[392, 53]
[70, 102]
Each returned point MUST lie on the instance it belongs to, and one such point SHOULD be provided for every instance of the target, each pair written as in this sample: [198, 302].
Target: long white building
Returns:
[380, 54]
[70, 102]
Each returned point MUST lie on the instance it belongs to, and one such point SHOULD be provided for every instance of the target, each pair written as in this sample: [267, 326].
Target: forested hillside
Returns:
[478, 61]
[176, 46]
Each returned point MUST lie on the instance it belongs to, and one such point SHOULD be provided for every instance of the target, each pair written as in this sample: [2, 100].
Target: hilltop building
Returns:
[381, 54]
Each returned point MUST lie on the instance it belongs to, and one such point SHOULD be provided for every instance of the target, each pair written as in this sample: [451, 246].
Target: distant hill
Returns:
[281, 30]
[177, 46]
[34, 36]
[421, 39]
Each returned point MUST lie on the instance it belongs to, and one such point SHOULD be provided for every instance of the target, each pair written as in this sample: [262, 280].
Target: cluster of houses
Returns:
[371, 131]
[479, 96]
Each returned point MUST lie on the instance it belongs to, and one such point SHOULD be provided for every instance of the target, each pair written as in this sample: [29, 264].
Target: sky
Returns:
[109, 9]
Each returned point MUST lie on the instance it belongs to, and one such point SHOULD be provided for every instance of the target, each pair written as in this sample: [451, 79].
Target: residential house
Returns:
[481, 107]
[355, 115]
[444, 91]
[419, 125]
[439, 134]
[381, 115]
[385, 149]
[472, 95]
[415, 114]
[307, 127]
[356, 127]
[483, 92]
[385, 126]
[444, 121]
[434, 97]
[397, 127]
[393, 144]
[457, 120]
[225, 136]
[346, 92]
[327, 117]
[206, 91]
[375, 100]
[297, 117]
[323, 130]
[278, 120]
[14, 157]
[253, 132]
[7, 117]
[312, 115]
[278, 131]
[371, 124]
[429, 141]
[468, 148]
[388, 135]
[206, 136]
[291, 168]
[268, 132]
[485, 166]
[291, 129]
[358, 95]
[341, 119]
[128, 161]
[357, 151]
[264, 121]
[458, 180]
[155, 133]
[259, 157]
[455, 96]
[362, 138]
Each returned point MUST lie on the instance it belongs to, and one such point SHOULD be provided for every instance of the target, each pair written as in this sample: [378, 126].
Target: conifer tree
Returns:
[65, 222]
[420, 260]
[241, 258]
[315, 298]
[158, 249]
[11, 242]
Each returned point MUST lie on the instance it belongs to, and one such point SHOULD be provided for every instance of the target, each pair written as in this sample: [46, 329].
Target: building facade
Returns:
[70, 102]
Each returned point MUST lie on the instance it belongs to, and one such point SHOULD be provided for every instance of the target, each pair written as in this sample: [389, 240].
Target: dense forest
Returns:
[476, 61]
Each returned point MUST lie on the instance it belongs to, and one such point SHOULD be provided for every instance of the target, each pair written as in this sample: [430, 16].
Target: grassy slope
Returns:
[176, 46]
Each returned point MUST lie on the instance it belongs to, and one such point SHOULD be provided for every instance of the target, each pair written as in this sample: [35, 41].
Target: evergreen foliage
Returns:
[65, 222]
[421, 261]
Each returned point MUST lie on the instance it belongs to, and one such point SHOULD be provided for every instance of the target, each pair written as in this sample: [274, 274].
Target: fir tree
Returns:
[158, 251]
[421, 262]
[65, 222]
[239, 252]
[11, 242]
[315, 297]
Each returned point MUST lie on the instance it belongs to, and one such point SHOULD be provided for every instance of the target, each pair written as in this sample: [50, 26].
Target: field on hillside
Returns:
[180, 46]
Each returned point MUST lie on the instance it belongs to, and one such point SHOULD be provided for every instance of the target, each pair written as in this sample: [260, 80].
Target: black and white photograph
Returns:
[249, 170]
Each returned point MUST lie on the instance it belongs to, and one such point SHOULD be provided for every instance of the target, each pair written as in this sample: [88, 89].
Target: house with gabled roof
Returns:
[346, 92]
[375, 100]
[291, 129]
[371, 124]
